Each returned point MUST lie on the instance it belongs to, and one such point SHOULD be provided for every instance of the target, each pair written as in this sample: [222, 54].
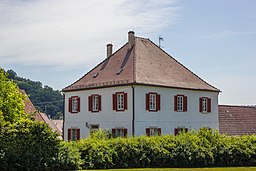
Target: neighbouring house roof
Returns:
[237, 120]
[145, 63]
[39, 116]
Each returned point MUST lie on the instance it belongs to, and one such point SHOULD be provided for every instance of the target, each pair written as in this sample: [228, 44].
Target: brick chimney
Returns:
[131, 39]
[109, 49]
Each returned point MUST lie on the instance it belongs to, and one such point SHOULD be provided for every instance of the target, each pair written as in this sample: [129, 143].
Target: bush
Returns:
[193, 149]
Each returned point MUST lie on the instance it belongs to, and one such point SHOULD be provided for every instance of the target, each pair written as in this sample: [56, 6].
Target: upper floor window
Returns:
[180, 103]
[74, 104]
[152, 131]
[120, 101]
[119, 132]
[152, 102]
[94, 103]
[205, 105]
[73, 134]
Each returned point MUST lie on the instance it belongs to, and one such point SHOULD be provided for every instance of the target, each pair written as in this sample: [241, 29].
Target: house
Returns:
[55, 125]
[237, 120]
[139, 90]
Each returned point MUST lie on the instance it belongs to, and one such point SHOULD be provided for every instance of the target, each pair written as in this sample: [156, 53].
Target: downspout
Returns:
[133, 112]
[63, 129]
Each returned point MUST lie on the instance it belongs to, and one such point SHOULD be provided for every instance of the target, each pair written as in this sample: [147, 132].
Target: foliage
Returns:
[193, 149]
[44, 98]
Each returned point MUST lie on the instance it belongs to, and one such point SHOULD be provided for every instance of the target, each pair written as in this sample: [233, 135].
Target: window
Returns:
[94, 128]
[74, 104]
[205, 105]
[94, 103]
[180, 103]
[152, 102]
[73, 134]
[119, 132]
[178, 130]
[152, 131]
[120, 101]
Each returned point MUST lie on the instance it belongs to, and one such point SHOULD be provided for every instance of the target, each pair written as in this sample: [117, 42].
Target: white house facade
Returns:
[139, 90]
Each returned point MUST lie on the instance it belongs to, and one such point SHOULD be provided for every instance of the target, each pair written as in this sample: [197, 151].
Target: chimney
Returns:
[131, 39]
[109, 49]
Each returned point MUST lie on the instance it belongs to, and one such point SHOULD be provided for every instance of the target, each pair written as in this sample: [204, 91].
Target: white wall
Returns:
[106, 118]
[167, 118]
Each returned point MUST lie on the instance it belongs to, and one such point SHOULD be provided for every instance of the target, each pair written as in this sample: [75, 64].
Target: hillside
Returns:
[44, 98]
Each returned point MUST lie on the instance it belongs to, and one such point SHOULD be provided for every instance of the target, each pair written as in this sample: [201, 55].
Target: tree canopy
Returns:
[44, 98]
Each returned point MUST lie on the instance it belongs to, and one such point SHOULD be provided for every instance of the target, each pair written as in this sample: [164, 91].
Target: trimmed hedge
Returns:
[193, 149]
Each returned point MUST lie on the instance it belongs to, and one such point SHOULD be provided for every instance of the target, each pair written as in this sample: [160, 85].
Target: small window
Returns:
[152, 102]
[180, 103]
[120, 101]
[73, 134]
[119, 132]
[152, 131]
[94, 103]
[205, 105]
[178, 130]
[94, 128]
[74, 104]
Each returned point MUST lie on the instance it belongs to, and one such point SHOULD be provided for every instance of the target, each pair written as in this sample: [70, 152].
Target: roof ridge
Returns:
[95, 67]
[244, 106]
[182, 65]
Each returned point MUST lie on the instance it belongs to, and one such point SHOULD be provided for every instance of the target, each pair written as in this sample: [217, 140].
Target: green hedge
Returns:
[193, 149]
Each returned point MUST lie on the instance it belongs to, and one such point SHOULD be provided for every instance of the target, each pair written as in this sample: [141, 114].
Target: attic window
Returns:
[95, 75]
[119, 71]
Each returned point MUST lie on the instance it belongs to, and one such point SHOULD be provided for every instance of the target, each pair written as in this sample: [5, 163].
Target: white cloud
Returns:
[66, 33]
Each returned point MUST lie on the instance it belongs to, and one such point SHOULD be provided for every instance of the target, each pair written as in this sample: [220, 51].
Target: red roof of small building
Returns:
[237, 120]
[145, 63]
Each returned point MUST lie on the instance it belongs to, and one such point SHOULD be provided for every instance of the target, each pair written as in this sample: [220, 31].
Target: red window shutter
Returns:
[99, 102]
[176, 103]
[159, 131]
[114, 101]
[201, 104]
[125, 132]
[78, 104]
[158, 102]
[69, 134]
[90, 103]
[147, 131]
[113, 132]
[186, 130]
[147, 101]
[70, 105]
[185, 103]
[78, 134]
[176, 131]
[209, 105]
[125, 101]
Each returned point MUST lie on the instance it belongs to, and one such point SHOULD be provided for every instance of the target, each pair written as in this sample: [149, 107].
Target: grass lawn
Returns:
[187, 169]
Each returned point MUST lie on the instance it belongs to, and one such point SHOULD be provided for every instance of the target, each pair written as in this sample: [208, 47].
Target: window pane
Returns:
[120, 101]
[95, 103]
[152, 102]
[74, 105]
[180, 103]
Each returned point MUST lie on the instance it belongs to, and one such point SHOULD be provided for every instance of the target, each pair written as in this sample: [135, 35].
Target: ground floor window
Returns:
[152, 131]
[119, 132]
[94, 128]
[178, 130]
[73, 134]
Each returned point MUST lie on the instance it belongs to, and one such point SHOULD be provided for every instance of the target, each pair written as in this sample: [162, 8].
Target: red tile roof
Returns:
[145, 63]
[237, 120]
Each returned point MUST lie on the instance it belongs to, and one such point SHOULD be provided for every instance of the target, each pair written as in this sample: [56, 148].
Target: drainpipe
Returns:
[133, 112]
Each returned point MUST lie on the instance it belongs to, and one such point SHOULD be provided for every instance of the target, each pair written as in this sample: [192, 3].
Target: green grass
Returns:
[187, 169]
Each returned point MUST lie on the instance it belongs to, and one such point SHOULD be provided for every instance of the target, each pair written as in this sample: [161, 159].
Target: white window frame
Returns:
[74, 104]
[74, 135]
[180, 103]
[120, 101]
[204, 105]
[152, 101]
[119, 132]
[95, 103]
[153, 131]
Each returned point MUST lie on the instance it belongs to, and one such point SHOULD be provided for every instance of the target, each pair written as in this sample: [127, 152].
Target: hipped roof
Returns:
[146, 64]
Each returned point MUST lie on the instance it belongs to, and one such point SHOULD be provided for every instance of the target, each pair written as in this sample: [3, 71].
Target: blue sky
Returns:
[58, 41]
